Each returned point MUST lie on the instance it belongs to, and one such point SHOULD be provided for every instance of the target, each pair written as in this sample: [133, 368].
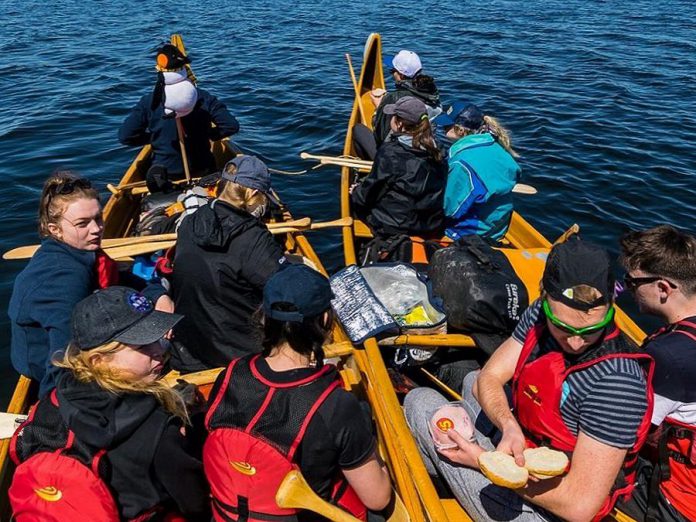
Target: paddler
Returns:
[67, 267]
[660, 268]
[407, 71]
[153, 120]
[482, 173]
[578, 385]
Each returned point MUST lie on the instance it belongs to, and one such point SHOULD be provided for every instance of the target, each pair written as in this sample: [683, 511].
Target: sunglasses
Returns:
[582, 332]
[634, 282]
[69, 186]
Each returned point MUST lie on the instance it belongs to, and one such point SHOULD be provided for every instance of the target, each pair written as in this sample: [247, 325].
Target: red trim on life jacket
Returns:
[220, 393]
[310, 416]
[255, 372]
[15, 435]
[262, 409]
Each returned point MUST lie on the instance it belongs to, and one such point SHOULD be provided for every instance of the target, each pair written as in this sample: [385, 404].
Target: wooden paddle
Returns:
[358, 98]
[184, 157]
[294, 492]
[25, 252]
[356, 163]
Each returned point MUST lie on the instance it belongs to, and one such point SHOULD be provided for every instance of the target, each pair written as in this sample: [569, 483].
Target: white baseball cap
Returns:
[407, 63]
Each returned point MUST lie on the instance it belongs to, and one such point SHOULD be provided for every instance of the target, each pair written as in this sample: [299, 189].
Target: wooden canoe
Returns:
[415, 486]
[120, 215]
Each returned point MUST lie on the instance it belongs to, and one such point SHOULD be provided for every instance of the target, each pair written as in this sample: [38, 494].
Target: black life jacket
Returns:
[256, 427]
[537, 389]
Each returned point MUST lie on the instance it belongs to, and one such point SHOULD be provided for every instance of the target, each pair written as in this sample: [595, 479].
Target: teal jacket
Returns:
[478, 197]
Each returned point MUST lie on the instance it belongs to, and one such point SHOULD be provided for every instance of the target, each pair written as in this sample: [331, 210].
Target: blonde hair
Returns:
[59, 190]
[581, 293]
[117, 382]
[246, 198]
[492, 126]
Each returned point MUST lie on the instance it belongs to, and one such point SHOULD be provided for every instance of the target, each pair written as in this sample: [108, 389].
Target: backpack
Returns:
[251, 446]
[64, 484]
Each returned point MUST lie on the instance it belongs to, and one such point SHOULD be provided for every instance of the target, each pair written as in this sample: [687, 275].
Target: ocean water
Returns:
[600, 98]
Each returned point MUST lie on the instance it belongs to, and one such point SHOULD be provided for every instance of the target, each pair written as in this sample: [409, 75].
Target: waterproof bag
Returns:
[480, 291]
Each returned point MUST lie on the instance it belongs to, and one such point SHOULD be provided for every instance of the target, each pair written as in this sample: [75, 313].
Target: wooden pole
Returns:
[358, 98]
[182, 146]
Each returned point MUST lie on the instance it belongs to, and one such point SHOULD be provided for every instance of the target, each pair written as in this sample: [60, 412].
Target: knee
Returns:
[420, 403]
[469, 384]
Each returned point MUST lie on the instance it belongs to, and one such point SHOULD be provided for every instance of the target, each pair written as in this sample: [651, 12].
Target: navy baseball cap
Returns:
[118, 314]
[306, 291]
[251, 173]
[462, 113]
[574, 263]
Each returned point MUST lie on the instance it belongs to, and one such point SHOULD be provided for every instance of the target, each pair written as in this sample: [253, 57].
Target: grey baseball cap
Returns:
[408, 108]
[251, 173]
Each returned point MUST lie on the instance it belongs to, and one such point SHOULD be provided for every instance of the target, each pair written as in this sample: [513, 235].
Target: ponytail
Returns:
[424, 83]
[500, 133]
[423, 137]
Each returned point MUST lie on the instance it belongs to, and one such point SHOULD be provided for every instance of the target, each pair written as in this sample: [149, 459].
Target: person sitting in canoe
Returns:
[286, 407]
[482, 173]
[224, 256]
[153, 120]
[578, 385]
[67, 267]
[660, 268]
[406, 69]
[403, 193]
[108, 443]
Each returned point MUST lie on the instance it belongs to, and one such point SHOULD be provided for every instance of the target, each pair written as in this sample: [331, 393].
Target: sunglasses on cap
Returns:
[634, 282]
[582, 332]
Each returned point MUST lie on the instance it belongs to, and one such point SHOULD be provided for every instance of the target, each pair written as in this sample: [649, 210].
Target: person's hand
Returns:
[165, 304]
[466, 453]
[191, 395]
[513, 441]
[353, 186]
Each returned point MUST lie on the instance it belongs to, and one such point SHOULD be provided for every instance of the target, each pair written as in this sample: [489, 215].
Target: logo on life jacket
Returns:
[49, 493]
[243, 467]
[532, 392]
[444, 424]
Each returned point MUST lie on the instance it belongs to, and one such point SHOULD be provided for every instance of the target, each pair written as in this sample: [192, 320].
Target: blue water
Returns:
[600, 97]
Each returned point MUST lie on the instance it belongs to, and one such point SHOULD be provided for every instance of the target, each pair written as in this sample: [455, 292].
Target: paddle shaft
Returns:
[182, 146]
[519, 188]
[25, 252]
[358, 98]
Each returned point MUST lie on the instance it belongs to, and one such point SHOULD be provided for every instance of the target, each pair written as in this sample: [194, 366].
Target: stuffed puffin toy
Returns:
[173, 88]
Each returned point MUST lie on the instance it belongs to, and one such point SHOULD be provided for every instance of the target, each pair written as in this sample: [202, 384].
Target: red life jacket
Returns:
[59, 478]
[256, 427]
[676, 466]
[537, 391]
[106, 270]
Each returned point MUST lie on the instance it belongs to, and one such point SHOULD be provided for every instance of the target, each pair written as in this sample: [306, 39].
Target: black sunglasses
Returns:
[70, 185]
[634, 282]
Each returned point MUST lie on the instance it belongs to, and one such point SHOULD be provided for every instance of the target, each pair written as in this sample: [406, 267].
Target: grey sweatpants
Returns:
[481, 499]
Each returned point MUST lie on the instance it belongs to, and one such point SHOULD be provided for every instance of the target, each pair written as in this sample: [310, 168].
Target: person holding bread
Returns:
[567, 380]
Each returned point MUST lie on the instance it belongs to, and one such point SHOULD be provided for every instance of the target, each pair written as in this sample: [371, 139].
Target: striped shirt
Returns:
[606, 401]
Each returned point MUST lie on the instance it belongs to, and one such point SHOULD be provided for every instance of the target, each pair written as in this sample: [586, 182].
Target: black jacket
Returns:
[148, 463]
[145, 125]
[224, 256]
[404, 192]
[380, 121]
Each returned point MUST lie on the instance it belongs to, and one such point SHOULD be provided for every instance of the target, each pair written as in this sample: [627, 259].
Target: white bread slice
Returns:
[501, 470]
[544, 462]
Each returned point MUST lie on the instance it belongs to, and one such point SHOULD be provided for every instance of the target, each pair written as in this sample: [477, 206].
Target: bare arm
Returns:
[490, 394]
[371, 482]
[579, 495]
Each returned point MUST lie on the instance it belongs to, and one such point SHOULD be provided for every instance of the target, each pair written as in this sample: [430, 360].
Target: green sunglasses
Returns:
[586, 331]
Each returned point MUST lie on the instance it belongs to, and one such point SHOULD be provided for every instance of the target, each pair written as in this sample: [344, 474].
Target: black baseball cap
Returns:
[306, 290]
[118, 314]
[576, 262]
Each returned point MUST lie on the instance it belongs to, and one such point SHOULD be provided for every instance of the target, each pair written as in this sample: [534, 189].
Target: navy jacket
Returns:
[57, 277]
[144, 125]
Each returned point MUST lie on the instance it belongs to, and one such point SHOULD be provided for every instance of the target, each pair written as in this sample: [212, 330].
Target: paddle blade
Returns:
[294, 492]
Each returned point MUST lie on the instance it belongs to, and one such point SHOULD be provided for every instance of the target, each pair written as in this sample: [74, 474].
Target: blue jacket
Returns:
[144, 125]
[478, 197]
[57, 277]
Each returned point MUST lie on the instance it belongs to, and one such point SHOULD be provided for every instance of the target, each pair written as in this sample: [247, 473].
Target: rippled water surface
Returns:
[600, 97]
